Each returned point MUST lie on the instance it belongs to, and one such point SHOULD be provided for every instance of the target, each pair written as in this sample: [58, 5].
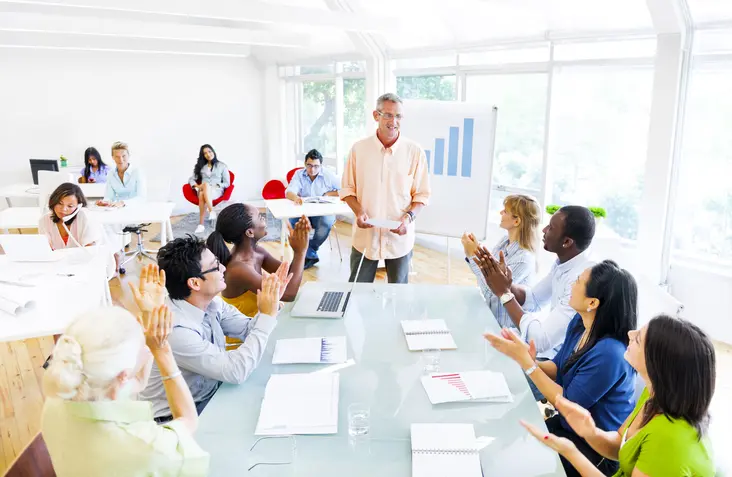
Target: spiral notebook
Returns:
[427, 334]
[440, 450]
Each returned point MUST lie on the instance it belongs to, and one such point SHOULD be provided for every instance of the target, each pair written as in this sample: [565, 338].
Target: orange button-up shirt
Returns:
[385, 181]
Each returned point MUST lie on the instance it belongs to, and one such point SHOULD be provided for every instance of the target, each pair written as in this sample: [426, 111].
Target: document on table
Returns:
[16, 299]
[427, 334]
[321, 200]
[299, 404]
[473, 386]
[331, 350]
[444, 449]
[383, 223]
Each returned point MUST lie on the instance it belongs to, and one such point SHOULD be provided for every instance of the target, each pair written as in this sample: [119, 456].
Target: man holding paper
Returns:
[386, 184]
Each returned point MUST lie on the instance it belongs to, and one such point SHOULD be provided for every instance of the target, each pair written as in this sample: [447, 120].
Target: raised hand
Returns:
[498, 277]
[157, 326]
[150, 292]
[559, 444]
[300, 235]
[283, 276]
[268, 297]
[512, 346]
[578, 418]
[470, 244]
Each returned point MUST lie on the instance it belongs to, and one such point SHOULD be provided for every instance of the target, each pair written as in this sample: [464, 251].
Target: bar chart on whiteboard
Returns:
[458, 142]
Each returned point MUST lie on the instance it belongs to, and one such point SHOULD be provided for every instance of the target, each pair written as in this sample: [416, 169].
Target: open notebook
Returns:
[427, 334]
[474, 386]
[441, 450]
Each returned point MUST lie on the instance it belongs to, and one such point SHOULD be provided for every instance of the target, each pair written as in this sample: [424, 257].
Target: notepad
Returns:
[299, 404]
[440, 450]
[427, 334]
[331, 350]
[474, 386]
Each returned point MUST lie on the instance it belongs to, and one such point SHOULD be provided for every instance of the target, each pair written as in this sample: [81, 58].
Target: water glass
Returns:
[359, 416]
[430, 360]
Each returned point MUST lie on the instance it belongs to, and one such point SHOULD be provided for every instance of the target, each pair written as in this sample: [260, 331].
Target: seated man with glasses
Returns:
[314, 181]
[202, 321]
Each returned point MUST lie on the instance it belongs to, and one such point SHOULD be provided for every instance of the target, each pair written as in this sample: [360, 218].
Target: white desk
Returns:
[59, 299]
[285, 209]
[30, 191]
[135, 213]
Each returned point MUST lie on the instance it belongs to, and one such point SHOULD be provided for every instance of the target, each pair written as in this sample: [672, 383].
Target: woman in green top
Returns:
[665, 436]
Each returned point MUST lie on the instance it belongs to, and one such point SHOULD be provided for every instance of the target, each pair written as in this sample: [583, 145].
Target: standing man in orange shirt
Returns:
[386, 178]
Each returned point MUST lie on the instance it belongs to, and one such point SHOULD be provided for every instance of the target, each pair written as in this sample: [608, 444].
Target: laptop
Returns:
[313, 302]
[28, 248]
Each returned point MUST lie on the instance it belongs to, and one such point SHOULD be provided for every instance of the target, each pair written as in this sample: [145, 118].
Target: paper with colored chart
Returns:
[473, 386]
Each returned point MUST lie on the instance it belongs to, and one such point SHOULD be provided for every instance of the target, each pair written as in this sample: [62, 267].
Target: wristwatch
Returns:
[411, 215]
[531, 369]
[506, 297]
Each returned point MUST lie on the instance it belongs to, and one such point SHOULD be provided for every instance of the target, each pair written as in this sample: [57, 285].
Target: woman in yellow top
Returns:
[665, 436]
[91, 422]
[241, 225]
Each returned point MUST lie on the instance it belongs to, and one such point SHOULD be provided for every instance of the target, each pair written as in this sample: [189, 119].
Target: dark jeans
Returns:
[200, 406]
[397, 269]
[606, 466]
[321, 226]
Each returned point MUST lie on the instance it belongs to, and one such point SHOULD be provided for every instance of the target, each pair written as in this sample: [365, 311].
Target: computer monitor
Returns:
[42, 165]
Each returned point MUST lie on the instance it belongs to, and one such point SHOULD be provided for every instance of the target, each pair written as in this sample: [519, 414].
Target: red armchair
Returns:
[273, 189]
[192, 197]
[292, 173]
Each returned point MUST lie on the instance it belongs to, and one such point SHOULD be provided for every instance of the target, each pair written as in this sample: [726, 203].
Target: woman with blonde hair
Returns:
[92, 423]
[520, 219]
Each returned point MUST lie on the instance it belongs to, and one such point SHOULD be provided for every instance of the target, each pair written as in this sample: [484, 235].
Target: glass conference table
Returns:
[386, 375]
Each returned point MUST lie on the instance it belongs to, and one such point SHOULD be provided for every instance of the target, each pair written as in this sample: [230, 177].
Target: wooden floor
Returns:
[20, 361]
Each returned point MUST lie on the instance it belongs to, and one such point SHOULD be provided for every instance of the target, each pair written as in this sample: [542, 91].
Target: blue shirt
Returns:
[133, 186]
[304, 187]
[601, 381]
[522, 263]
[100, 176]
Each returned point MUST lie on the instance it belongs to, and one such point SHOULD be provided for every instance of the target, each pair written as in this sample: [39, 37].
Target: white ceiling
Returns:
[294, 30]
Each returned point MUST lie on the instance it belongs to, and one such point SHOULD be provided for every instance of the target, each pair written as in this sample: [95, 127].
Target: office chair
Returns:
[140, 251]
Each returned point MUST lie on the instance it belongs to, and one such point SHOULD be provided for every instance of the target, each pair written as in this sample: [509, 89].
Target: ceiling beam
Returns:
[151, 30]
[210, 12]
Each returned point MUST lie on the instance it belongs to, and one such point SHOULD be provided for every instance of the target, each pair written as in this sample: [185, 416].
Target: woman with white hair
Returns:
[92, 423]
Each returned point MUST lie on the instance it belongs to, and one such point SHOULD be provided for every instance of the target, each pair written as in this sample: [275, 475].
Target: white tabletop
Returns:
[287, 209]
[30, 191]
[134, 213]
[20, 218]
[59, 299]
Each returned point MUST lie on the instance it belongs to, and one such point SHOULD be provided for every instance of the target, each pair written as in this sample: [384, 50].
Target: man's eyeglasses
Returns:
[214, 269]
[389, 116]
[312, 166]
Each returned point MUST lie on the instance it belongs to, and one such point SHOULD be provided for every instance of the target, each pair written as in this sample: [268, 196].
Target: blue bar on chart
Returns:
[427, 153]
[467, 162]
[439, 155]
[452, 150]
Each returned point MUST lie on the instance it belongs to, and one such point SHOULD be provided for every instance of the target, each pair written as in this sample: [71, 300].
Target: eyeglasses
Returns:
[389, 116]
[312, 166]
[214, 269]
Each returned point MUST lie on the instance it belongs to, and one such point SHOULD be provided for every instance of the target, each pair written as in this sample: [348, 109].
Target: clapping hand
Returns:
[300, 235]
[157, 326]
[268, 297]
[559, 444]
[497, 274]
[283, 276]
[514, 347]
[470, 244]
[578, 418]
[151, 292]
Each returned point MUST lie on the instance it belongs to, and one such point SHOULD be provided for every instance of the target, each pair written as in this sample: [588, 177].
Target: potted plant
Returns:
[64, 162]
[598, 212]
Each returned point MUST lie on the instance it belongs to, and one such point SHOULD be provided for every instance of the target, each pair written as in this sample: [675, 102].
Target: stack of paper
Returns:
[439, 450]
[321, 200]
[311, 350]
[299, 404]
[16, 299]
[477, 386]
[427, 334]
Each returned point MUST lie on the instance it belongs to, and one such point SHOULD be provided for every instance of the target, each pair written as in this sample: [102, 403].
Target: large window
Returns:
[703, 206]
[598, 138]
[318, 116]
[427, 87]
[519, 148]
[355, 122]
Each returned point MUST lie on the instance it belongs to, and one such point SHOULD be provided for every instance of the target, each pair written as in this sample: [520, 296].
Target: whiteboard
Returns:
[458, 140]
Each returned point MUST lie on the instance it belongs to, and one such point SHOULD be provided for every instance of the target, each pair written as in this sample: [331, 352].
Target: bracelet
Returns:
[531, 369]
[411, 215]
[173, 376]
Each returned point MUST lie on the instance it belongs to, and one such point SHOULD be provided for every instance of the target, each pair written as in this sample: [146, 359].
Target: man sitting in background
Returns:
[314, 181]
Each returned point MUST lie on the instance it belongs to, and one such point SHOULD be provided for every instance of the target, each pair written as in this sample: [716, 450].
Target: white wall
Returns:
[57, 102]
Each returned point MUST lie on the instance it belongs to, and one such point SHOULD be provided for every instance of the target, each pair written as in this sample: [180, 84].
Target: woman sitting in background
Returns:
[209, 180]
[242, 225]
[95, 170]
[590, 367]
[91, 422]
[68, 223]
[666, 432]
[520, 218]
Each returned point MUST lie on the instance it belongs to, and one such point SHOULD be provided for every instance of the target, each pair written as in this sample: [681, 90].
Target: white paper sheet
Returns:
[473, 386]
[15, 300]
[331, 350]
[383, 223]
[321, 200]
[440, 450]
[427, 334]
[300, 404]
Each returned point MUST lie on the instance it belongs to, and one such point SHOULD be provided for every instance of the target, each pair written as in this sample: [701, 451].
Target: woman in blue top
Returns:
[209, 180]
[520, 219]
[95, 170]
[590, 368]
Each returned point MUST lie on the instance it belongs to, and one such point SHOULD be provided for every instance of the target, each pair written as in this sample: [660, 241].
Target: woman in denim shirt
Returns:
[95, 170]
[209, 180]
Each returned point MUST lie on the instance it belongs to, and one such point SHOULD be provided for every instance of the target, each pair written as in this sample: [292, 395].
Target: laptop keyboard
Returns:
[330, 301]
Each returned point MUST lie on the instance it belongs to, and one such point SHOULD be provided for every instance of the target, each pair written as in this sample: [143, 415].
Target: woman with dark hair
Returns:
[590, 367]
[209, 180]
[95, 170]
[67, 224]
[666, 432]
[241, 225]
